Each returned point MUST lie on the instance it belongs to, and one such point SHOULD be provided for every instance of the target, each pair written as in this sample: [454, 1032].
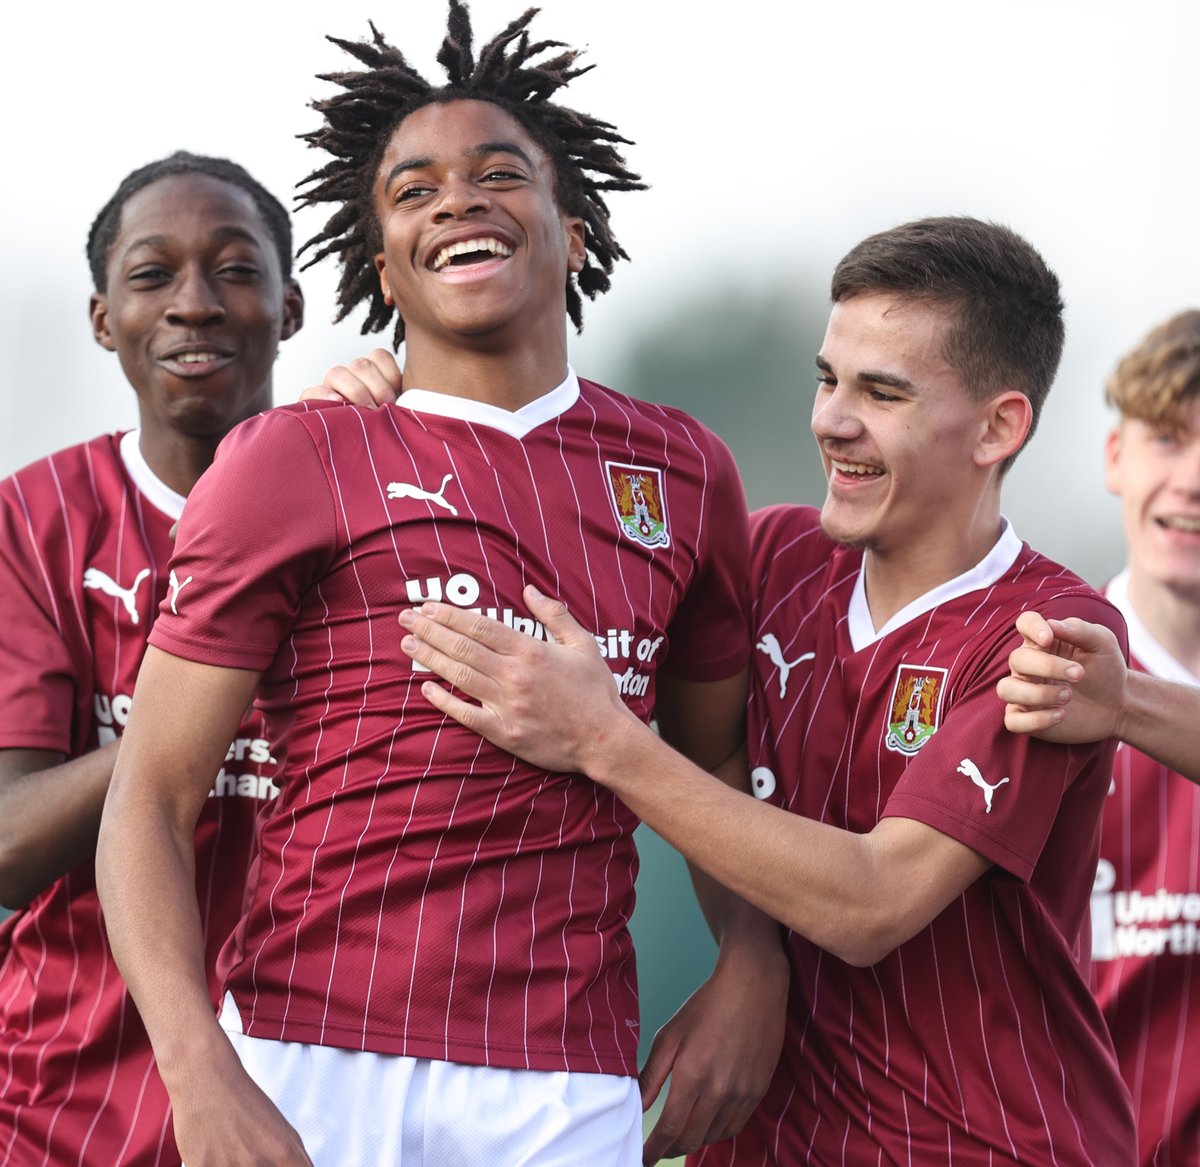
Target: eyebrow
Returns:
[871, 376]
[221, 233]
[480, 151]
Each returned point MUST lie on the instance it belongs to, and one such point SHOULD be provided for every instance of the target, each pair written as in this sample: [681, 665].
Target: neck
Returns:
[501, 376]
[177, 459]
[1170, 615]
[896, 576]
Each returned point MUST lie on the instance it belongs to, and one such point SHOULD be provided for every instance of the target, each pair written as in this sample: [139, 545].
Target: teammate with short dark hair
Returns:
[192, 265]
[434, 963]
[932, 868]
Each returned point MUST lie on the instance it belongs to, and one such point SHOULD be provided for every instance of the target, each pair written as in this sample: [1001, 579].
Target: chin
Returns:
[844, 532]
[846, 536]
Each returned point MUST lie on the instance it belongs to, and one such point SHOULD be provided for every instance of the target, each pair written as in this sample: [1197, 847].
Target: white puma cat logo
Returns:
[967, 767]
[405, 490]
[770, 645]
[95, 578]
[176, 588]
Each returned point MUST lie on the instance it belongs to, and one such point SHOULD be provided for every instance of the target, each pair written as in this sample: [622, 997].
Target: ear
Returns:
[576, 248]
[1112, 461]
[98, 311]
[1007, 419]
[293, 310]
[384, 286]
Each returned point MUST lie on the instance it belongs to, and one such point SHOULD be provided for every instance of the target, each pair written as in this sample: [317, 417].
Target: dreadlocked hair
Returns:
[360, 122]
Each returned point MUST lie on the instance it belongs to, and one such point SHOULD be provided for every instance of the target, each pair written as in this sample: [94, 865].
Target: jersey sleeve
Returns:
[710, 633]
[38, 682]
[1000, 793]
[257, 532]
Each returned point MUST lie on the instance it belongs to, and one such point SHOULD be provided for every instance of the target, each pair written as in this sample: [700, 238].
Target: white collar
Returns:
[1155, 659]
[154, 488]
[516, 424]
[985, 573]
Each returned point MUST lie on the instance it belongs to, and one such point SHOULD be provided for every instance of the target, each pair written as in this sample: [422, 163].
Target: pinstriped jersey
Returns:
[418, 891]
[1146, 927]
[83, 565]
[977, 1040]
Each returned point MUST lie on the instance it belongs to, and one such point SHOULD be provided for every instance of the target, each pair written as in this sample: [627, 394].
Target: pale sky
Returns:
[774, 138]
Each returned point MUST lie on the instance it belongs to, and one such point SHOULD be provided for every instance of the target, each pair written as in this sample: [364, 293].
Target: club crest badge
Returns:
[639, 502]
[916, 708]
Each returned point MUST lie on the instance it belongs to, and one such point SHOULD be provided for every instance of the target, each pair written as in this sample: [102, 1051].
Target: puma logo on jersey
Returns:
[176, 588]
[771, 646]
[967, 767]
[95, 578]
[406, 490]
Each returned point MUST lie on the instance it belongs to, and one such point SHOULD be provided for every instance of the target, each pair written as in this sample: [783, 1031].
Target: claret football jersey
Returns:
[84, 546]
[417, 890]
[1146, 926]
[976, 1041]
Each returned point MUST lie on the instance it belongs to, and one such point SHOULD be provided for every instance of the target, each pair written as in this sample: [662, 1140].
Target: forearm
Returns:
[1159, 718]
[49, 816]
[145, 874]
[814, 878]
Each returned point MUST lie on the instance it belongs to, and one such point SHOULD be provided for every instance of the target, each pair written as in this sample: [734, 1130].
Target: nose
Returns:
[834, 415]
[196, 300]
[458, 199]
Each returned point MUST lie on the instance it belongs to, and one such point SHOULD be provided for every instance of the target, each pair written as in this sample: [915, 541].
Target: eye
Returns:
[414, 190]
[503, 174]
[828, 380]
[239, 271]
[880, 395]
[149, 275]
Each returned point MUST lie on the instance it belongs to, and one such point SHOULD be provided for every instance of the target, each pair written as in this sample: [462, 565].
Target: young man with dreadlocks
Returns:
[434, 964]
[191, 259]
[933, 869]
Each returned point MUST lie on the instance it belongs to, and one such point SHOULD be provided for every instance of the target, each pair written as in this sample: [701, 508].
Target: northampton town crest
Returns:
[916, 708]
[641, 508]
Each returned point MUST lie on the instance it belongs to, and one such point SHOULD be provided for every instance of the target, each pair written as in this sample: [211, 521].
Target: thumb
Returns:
[1035, 628]
[558, 621]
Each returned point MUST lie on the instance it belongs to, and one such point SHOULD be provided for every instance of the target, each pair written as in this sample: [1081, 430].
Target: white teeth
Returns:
[1180, 523]
[444, 256]
[196, 358]
[853, 467]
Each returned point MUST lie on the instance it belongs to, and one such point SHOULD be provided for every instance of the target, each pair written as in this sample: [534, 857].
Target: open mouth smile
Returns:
[469, 252]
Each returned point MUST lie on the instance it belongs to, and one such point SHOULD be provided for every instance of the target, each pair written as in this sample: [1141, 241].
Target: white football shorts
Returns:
[355, 1108]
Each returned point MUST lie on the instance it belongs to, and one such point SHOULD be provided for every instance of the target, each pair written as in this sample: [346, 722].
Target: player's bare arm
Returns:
[145, 873]
[1070, 683]
[369, 381]
[857, 895]
[721, 1047]
[49, 816]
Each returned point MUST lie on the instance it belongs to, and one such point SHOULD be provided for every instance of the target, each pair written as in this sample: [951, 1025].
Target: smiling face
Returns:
[475, 246]
[905, 448]
[1155, 470]
[195, 306]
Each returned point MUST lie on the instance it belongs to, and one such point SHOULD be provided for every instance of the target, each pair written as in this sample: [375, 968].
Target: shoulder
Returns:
[73, 480]
[786, 527]
[283, 432]
[1036, 581]
[666, 419]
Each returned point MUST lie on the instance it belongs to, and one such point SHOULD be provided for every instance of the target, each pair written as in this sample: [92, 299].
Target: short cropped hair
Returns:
[107, 224]
[1004, 302]
[511, 71]
[1160, 379]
